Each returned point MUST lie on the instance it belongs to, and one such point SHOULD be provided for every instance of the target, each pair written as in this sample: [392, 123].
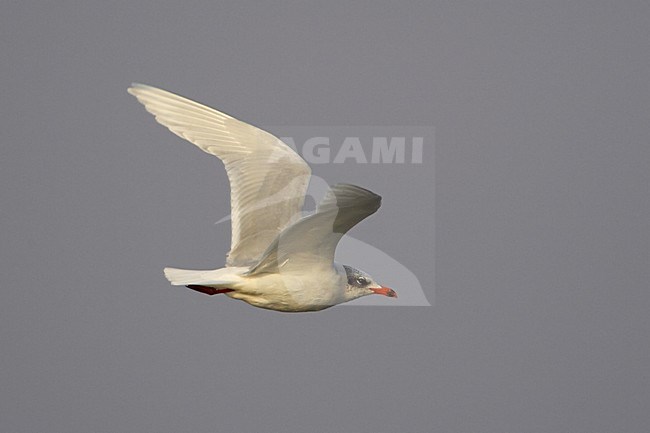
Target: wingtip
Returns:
[357, 189]
[134, 87]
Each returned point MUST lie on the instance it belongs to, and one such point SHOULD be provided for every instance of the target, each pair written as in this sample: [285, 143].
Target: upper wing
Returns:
[268, 180]
[312, 240]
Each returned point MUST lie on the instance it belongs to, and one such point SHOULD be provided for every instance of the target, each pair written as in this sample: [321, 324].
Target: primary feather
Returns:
[267, 178]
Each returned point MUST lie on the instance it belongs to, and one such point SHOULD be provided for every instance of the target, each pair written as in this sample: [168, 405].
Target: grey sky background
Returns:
[541, 252]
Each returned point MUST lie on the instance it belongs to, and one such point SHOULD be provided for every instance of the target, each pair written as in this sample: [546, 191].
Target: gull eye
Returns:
[362, 281]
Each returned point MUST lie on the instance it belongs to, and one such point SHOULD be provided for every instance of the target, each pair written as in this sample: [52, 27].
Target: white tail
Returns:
[226, 277]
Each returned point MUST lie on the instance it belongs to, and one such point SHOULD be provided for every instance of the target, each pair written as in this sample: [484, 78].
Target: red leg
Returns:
[208, 290]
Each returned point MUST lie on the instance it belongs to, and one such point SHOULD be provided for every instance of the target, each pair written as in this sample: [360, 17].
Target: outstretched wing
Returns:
[311, 242]
[268, 180]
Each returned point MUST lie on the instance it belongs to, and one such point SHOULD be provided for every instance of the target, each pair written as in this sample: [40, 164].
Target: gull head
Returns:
[361, 284]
